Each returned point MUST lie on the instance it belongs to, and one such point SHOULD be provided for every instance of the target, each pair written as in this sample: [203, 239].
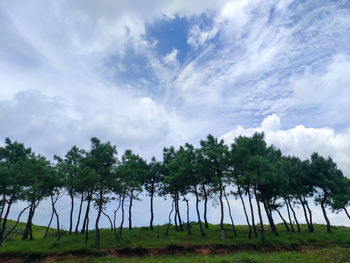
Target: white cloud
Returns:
[302, 141]
[171, 57]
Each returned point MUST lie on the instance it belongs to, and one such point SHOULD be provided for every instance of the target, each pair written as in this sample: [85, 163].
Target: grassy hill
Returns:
[143, 245]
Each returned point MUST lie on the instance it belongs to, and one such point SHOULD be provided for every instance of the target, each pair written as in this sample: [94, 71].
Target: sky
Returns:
[149, 74]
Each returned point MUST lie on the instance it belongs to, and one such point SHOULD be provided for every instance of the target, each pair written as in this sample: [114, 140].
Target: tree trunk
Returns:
[346, 212]
[175, 215]
[310, 217]
[122, 220]
[86, 213]
[97, 239]
[87, 230]
[245, 213]
[14, 226]
[171, 211]
[48, 226]
[229, 212]
[28, 230]
[71, 214]
[289, 217]
[114, 223]
[5, 218]
[205, 207]
[109, 219]
[305, 214]
[79, 214]
[329, 230]
[58, 225]
[223, 234]
[178, 212]
[198, 214]
[284, 221]
[269, 217]
[262, 231]
[152, 213]
[188, 217]
[294, 215]
[252, 213]
[130, 206]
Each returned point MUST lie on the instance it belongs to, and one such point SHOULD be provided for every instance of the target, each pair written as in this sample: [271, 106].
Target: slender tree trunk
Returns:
[175, 215]
[171, 211]
[294, 215]
[289, 217]
[305, 214]
[188, 217]
[346, 212]
[178, 212]
[245, 213]
[229, 212]
[205, 206]
[31, 231]
[223, 234]
[252, 212]
[13, 227]
[130, 206]
[28, 230]
[58, 225]
[197, 209]
[86, 213]
[284, 221]
[122, 220]
[48, 226]
[152, 213]
[269, 217]
[87, 230]
[109, 219]
[329, 229]
[79, 214]
[310, 217]
[114, 221]
[262, 231]
[97, 239]
[71, 214]
[5, 218]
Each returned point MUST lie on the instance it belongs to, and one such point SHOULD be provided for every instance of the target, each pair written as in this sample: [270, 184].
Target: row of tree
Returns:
[248, 169]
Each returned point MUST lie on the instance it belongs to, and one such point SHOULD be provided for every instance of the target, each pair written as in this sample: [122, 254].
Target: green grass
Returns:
[286, 247]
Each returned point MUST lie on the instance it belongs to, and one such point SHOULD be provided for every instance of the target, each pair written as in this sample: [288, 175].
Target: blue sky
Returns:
[149, 74]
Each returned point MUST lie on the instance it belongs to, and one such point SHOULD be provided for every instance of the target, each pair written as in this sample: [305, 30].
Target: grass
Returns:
[319, 246]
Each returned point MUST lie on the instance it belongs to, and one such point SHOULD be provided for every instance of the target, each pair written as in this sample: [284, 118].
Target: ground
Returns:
[144, 245]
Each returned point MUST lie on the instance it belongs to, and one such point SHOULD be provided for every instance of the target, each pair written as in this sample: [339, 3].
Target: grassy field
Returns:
[138, 244]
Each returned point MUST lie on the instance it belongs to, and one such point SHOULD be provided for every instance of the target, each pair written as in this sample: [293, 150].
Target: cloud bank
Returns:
[301, 141]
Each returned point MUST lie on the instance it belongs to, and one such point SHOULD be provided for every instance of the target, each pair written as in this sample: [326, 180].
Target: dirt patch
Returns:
[142, 251]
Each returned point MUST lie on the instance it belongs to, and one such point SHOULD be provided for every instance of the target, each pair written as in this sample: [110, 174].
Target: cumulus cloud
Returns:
[301, 141]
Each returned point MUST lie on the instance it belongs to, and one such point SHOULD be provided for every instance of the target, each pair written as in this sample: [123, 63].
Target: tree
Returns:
[12, 159]
[100, 160]
[56, 182]
[69, 167]
[151, 181]
[327, 178]
[37, 173]
[216, 153]
[340, 199]
[171, 185]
